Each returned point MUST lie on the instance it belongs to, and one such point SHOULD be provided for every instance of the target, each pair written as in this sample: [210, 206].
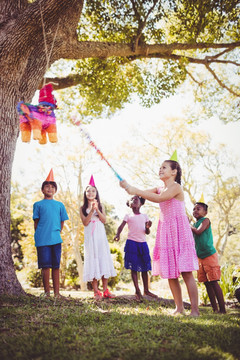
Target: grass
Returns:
[38, 328]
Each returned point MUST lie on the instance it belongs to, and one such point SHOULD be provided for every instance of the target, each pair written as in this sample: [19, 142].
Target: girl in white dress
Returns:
[98, 263]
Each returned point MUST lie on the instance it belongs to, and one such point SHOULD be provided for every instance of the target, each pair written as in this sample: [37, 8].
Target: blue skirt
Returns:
[137, 256]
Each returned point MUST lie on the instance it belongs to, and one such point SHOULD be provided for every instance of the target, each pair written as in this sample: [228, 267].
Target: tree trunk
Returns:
[8, 137]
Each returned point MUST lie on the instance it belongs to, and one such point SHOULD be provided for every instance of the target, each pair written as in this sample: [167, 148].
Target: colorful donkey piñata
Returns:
[40, 119]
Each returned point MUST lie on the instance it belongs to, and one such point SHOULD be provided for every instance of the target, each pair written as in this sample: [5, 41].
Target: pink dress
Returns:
[174, 250]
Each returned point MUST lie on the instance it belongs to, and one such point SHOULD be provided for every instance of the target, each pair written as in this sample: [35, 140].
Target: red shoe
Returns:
[98, 295]
[107, 294]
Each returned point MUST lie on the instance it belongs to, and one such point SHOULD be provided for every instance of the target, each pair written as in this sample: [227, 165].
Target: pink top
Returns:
[136, 226]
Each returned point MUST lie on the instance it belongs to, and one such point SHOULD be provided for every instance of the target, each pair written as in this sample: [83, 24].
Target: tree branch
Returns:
[206, 60]
[63, 83]
[84, 49]
[220, 82]
[104, 50]
[220, 54]
[141, 23]
[192, 77]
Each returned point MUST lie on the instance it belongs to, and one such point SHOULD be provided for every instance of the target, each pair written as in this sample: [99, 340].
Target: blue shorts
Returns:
[137, 256]
[49, 256]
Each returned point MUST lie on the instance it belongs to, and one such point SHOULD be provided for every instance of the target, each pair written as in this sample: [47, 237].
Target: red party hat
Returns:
[50, 176]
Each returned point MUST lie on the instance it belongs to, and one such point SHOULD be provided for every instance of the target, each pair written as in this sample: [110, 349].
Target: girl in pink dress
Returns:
[174, 253]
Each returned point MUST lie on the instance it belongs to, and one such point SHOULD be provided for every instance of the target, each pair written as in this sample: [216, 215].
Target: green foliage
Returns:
[161, 83]
[184, 20]
[230, 280]
[18, 226]
[35, 278]
[107, 84]
[201, 19]
[117, 263]
[110, 225]
[213, 99]
[111, 83]
[106, 87]
[16, 236]
[120, 20]
[72, 277]
[34, 328]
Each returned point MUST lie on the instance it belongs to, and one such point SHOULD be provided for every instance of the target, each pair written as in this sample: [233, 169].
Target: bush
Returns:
[72, 276]
[117, 263]
[35, 278]
[230, 280]
[126, 276]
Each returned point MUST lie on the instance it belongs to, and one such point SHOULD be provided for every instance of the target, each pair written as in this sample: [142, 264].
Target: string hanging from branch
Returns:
[99, 152]
[48, 55]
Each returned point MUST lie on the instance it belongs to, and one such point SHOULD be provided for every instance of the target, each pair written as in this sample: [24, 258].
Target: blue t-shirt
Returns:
[50, 214]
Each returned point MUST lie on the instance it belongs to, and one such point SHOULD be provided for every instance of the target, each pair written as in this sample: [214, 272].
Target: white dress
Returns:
[97, 257]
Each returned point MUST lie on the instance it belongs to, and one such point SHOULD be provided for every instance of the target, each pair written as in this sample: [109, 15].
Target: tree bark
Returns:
[8, 137]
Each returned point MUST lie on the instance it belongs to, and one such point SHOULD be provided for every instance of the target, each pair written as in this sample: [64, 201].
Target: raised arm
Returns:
[173, 191]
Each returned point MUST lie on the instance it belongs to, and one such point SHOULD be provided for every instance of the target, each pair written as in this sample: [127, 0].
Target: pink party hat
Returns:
[91, 182]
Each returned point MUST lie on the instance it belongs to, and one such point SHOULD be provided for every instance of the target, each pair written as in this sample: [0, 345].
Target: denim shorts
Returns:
[49, 256]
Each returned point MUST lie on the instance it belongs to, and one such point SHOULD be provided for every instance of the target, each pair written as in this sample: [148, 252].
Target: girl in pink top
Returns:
[136, 250]
[174, 252]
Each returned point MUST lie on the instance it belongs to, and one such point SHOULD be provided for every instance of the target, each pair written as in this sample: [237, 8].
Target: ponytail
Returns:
[175, 166]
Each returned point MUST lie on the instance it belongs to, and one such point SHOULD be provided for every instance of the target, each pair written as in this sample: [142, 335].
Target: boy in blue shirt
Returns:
[209, 270]
[49, 216]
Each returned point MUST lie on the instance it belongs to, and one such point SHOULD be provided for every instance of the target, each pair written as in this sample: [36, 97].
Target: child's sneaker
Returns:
[107, 294]
[98, 295]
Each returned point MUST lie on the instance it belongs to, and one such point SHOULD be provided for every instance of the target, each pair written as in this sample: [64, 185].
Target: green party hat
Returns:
[174, 156]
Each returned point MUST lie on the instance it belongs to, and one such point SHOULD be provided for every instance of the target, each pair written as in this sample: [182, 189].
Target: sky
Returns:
[108, 135]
